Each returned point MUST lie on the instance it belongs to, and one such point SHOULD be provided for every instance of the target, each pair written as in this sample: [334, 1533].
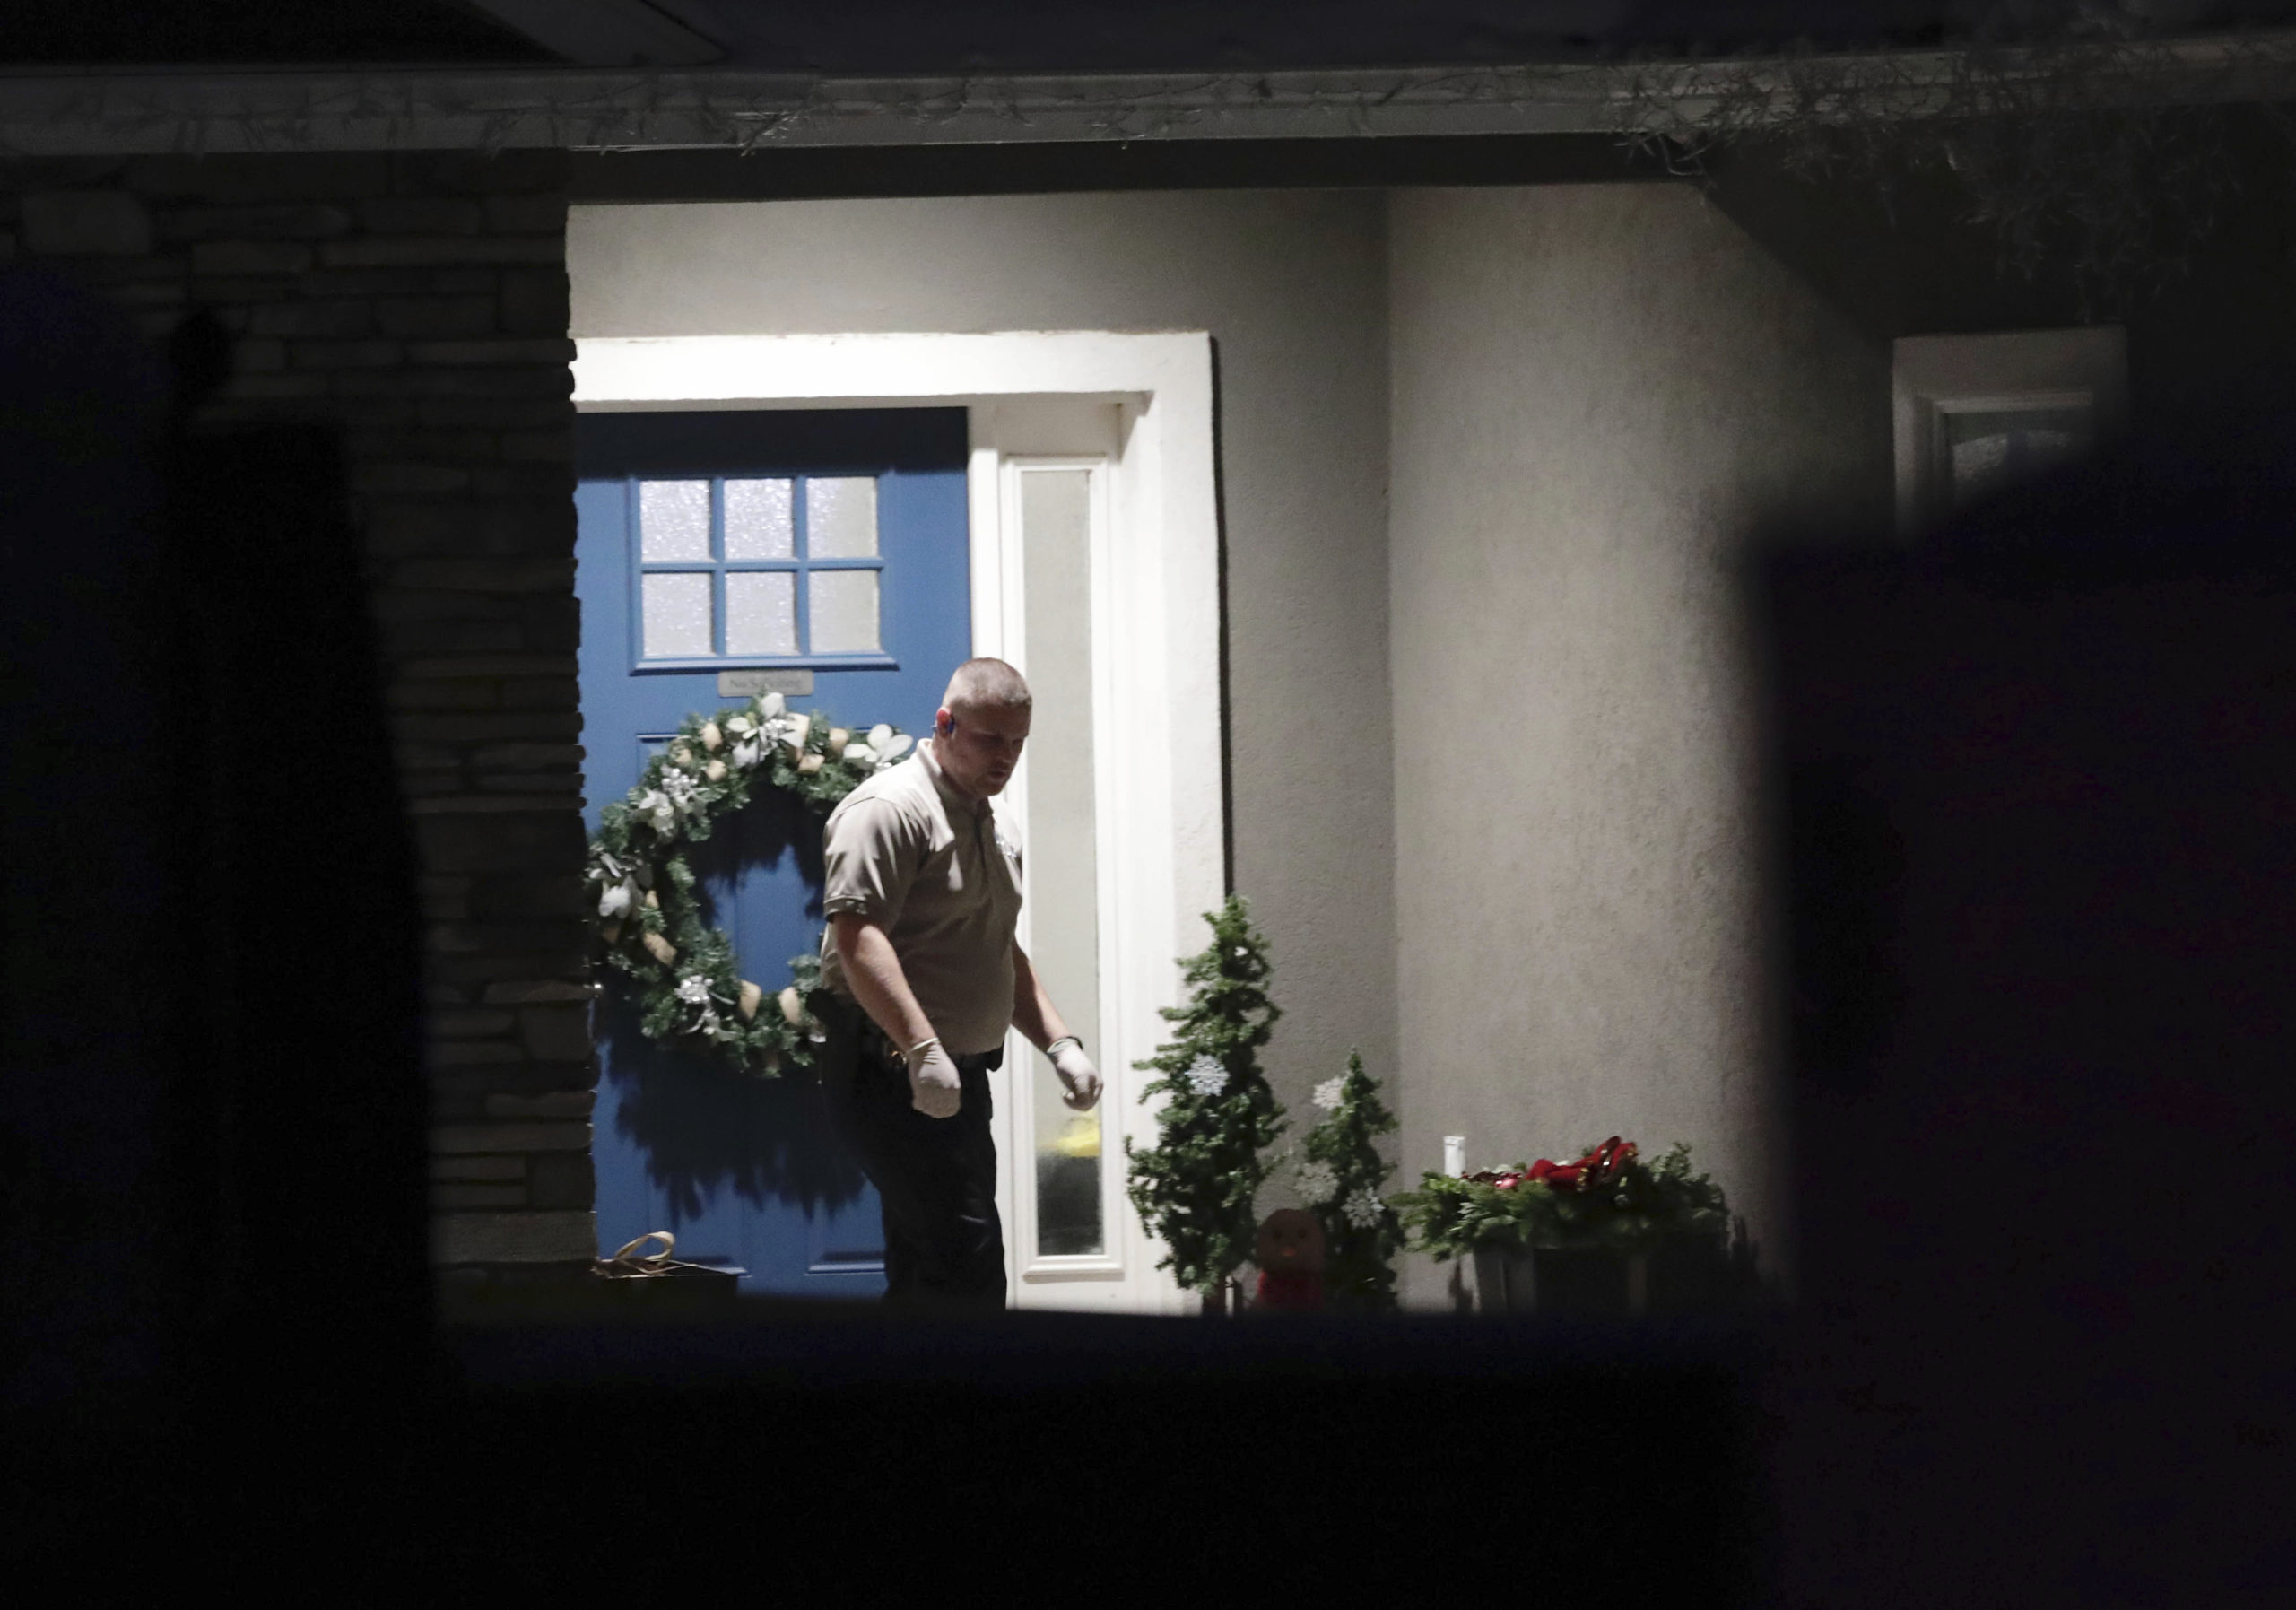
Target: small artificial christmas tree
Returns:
[1341, 1181]
[1194, 1188]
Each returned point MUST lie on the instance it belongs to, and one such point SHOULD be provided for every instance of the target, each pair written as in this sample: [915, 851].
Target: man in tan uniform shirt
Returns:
[922, 894]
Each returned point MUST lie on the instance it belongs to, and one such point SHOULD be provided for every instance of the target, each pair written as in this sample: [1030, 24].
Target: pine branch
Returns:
[1363, 1231]
[1194, 1189]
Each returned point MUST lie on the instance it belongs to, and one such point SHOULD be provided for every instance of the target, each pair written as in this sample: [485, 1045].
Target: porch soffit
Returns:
[186, 112]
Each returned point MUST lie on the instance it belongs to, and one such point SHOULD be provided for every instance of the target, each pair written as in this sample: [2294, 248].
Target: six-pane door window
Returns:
[749, 569]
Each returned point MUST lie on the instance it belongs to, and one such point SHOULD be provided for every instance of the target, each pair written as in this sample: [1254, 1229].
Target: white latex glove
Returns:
[933, 1081]
[1077, 1073]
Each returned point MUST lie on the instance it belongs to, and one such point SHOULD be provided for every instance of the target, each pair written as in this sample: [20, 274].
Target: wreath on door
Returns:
[683, 975]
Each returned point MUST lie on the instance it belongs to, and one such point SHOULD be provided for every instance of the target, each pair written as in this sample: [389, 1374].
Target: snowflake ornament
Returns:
[1327, 1095]
[1317, 1181]
[1205, 1076]
[1363, 1208]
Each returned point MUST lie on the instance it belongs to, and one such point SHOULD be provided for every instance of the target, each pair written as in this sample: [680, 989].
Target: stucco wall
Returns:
[1291, 285]
[1600, 394]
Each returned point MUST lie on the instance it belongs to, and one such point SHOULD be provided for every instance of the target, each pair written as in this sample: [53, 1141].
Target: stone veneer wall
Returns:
[418, 302]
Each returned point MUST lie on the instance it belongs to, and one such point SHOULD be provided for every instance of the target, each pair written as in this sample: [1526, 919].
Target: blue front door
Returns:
[825, 553]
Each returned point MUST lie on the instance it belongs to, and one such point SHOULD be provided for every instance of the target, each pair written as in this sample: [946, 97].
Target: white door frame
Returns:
[1157, 711]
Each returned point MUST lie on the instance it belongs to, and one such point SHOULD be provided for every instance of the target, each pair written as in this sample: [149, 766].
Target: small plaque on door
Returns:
[748, 684]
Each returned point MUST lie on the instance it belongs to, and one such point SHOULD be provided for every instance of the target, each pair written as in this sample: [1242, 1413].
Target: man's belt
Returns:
[878, 1047]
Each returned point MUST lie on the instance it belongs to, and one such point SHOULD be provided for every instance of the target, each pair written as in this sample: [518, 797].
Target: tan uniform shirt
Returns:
[927, 864]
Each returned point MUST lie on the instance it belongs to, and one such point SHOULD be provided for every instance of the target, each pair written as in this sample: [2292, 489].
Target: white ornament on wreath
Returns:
[682, 974]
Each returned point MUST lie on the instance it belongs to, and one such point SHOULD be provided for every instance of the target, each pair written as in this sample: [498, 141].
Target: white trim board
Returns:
[1160, 711]
[628, 374]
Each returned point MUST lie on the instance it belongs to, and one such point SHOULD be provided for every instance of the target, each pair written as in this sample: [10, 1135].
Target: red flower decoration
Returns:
[1605, 1162]
[1599, 1167]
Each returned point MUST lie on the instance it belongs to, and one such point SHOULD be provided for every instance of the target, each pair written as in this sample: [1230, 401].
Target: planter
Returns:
[1570, 1280]
[1607, 1235]
[1680, 1275]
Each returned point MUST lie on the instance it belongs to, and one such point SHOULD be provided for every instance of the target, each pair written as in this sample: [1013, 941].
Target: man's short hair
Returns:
[981, 683]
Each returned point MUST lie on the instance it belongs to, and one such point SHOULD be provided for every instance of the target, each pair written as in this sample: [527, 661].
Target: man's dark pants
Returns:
[935, 1178]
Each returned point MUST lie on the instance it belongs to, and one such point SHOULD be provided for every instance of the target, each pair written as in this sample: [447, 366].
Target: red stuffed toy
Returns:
[1290, 1252]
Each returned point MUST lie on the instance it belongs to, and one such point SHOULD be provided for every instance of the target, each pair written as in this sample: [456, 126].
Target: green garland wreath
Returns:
[683, 976]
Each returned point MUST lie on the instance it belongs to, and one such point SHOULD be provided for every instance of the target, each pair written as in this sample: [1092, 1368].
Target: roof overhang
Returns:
[611, 110]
